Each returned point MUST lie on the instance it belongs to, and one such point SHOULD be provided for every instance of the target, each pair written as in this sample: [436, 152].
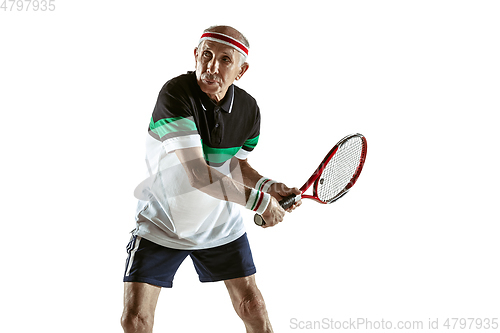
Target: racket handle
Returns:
[288, 201]
[285, 203]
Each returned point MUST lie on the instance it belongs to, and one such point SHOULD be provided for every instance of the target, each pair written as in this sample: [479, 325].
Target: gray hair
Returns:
[241, 38]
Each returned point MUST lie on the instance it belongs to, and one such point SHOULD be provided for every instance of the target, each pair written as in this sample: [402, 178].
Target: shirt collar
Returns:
[227, 102]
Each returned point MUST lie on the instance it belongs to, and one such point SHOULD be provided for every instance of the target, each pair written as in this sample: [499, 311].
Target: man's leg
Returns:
[139, 307]
[249, 304]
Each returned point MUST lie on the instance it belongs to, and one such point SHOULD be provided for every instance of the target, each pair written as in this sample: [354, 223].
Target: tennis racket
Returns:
[335, 176]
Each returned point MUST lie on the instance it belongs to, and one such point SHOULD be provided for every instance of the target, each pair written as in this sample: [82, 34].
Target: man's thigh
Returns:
[148, 262]
[241, 287]
[140, 297]
[229, 261]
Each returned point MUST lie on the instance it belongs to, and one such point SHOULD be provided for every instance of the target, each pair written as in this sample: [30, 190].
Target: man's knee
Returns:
[139, 307]
[137, 322]
[252, 308]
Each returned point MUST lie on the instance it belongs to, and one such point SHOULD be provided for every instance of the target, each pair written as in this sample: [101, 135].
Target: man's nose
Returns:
[213, 66]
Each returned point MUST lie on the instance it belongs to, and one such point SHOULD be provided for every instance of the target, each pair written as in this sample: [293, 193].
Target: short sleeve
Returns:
[173, 121]
[252, 140]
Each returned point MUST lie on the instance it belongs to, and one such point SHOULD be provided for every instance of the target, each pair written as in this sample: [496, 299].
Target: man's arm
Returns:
[277, 190]
[216, 184]
[249, 175]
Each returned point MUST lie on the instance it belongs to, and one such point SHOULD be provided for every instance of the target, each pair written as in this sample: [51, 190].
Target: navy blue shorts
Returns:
[151, 263]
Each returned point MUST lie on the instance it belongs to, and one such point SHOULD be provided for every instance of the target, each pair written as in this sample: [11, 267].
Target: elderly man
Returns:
[201, 132]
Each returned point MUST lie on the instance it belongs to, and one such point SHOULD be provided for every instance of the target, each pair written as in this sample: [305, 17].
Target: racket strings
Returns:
[340, 170]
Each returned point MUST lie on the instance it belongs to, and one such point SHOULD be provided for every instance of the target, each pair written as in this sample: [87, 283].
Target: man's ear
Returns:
[243, 70]
[195, 55]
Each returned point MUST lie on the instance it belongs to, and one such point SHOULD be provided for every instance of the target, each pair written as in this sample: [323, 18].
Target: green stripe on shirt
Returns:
[221, 155]
[251, 143]
[218, 155]
[171, 125]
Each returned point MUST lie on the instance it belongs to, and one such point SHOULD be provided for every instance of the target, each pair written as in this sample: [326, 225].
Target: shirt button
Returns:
[216, 125]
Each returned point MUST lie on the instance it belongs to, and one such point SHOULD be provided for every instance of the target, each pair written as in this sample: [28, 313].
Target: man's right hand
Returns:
[273, 214]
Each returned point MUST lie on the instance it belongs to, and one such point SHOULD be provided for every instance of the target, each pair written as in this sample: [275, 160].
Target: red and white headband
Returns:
[226, 40]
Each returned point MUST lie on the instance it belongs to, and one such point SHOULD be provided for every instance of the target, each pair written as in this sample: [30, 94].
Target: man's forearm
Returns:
[246, 175]
[216, 184]
[236, 188]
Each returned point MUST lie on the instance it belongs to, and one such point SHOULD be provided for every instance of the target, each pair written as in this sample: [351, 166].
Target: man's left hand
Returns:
[280, 191]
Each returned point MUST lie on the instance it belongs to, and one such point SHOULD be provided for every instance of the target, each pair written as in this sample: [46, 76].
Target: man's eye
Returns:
[226, 59]
[207, 54]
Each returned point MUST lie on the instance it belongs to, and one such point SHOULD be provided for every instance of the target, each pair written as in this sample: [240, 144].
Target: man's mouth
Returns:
[209, 79]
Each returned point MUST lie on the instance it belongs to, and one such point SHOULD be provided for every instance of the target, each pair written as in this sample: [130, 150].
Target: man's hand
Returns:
[273, 214]
[280, 191]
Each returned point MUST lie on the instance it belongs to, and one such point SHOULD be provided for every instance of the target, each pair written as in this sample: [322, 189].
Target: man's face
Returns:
[217, 66]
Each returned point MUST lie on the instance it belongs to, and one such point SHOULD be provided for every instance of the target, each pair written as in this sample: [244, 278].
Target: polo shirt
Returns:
[170, 211]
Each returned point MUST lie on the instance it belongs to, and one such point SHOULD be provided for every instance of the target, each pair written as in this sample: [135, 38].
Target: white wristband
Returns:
[264, 184]
[258, 201]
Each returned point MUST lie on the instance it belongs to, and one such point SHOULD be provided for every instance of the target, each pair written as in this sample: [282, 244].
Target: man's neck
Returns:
[216, 98]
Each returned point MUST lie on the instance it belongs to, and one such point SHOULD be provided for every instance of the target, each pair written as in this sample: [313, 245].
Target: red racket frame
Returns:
[316, 175]
[288, 201]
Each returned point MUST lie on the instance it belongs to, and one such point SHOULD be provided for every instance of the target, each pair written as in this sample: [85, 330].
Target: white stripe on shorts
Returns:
[132, 254]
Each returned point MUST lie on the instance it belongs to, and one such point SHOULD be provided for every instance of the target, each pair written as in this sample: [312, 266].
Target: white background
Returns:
[417, 237]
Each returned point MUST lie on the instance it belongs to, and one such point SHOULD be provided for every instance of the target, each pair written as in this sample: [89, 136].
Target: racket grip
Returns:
[285, 203]
[288, 201]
